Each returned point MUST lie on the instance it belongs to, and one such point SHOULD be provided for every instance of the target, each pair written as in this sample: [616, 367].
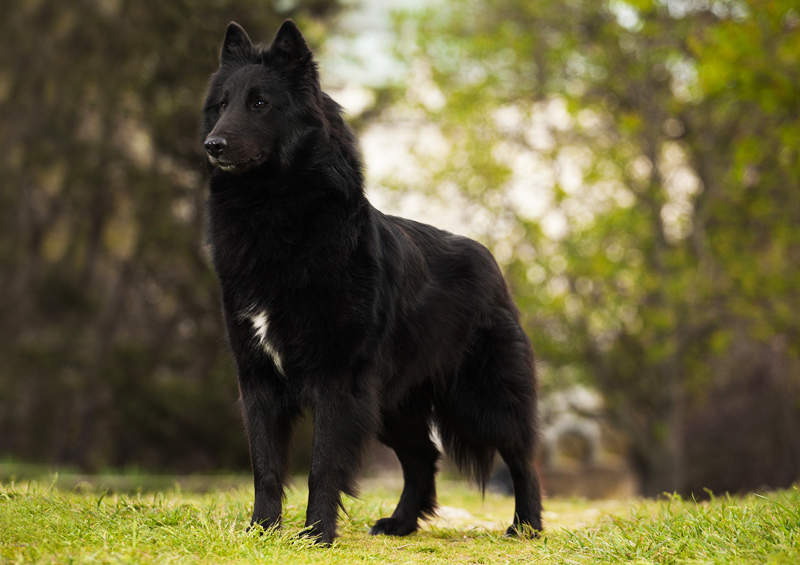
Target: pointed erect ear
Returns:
[236, 46]
[289, 44]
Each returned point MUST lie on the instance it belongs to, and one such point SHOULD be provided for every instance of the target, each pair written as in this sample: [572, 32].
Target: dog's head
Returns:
[262, 103]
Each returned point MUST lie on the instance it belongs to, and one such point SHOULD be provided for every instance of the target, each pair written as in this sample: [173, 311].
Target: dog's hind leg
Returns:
[514, 421]
[406, 430]
[492, 405]
[527, 494]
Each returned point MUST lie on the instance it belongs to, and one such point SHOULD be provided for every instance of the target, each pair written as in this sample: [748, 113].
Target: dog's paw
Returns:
[523, 530]
[393, 527]
[264, 525]
[318, 535]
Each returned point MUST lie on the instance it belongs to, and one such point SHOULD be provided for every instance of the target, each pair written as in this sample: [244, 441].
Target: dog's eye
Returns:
[223, 105]
[260, 103]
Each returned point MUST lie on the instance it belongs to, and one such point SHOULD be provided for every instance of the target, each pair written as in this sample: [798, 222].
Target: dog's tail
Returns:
[472, 457]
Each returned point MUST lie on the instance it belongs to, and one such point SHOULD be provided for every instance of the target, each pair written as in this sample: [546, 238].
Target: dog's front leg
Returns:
[269, 422]
[269, 412]
[342, 422]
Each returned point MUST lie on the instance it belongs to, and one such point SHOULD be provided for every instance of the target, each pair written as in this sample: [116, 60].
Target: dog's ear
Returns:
[289, 44]
[236, 46]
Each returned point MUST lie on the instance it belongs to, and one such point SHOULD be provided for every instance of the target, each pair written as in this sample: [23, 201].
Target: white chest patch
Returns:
[260, 321]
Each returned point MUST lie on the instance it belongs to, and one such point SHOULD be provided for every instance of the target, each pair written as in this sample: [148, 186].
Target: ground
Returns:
[75, 519]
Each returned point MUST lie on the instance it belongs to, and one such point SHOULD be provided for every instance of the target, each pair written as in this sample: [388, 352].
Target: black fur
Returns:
[382, 325]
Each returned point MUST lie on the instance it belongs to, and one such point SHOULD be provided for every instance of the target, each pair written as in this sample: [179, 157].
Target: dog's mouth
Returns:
[236, 166]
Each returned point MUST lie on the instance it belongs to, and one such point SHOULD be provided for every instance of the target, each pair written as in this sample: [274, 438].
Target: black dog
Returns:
[380, 324]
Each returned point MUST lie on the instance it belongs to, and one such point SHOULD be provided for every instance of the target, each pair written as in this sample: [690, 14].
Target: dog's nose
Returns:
[215, 146]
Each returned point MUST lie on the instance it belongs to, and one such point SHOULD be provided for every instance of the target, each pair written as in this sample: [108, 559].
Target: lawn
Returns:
[74, 519]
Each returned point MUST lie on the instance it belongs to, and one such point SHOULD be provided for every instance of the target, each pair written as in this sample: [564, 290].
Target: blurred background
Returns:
[634, 165]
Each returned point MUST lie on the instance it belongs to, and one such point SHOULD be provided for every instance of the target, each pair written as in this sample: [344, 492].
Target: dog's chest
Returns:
[259, 319]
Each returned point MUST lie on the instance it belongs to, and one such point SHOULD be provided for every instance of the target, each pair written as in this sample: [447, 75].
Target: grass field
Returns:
[72, 519]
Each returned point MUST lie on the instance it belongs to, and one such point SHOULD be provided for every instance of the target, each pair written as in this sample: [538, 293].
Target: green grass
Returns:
[43, 521]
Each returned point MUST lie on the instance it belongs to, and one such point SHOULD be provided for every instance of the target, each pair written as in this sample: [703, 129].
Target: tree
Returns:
[663, 138]
[110, 334]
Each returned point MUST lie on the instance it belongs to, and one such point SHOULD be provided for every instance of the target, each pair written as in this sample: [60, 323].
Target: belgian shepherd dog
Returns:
[382, 326]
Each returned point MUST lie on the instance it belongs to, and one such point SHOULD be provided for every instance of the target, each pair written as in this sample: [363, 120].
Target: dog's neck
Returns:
[294, 220]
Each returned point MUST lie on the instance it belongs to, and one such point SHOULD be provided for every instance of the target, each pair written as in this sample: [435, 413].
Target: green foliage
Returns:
[663, 138]
[110, 329]
[46, 524]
